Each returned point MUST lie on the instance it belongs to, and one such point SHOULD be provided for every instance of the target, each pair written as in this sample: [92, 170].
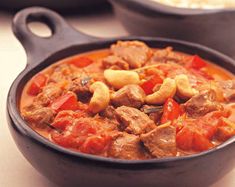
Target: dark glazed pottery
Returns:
[69, 168]
[213, 28]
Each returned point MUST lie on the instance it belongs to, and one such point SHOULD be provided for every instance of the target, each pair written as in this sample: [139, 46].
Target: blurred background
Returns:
[97, 18]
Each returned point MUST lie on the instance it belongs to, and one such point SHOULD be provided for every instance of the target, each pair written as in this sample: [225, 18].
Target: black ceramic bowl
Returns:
[69, 168]
[214, 28]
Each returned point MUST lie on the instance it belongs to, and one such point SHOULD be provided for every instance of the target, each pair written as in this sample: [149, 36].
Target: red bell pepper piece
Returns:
[148, 85]
[184, 138]
[200, 142]
[38, 82]
[189, 138]
[80, 62]
[196, 63]
[171, 110]
[67, 101]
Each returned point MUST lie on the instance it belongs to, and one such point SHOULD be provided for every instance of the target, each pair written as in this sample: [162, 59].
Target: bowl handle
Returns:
[39, 48]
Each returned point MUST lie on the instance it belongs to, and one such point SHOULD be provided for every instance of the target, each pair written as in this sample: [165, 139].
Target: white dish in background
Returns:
[199, 4]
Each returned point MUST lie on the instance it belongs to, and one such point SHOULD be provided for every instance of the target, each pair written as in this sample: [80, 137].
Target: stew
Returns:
[132, 102]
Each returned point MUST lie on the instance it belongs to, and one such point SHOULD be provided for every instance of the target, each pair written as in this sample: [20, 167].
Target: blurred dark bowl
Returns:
[214, 28]
[60, 5]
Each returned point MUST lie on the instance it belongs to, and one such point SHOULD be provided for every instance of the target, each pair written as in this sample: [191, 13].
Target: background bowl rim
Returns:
[150, 7]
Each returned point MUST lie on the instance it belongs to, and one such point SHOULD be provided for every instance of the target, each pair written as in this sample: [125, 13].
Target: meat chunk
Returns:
[80, 85]
[109, 112]
[228, 88]
[201, 104]
[135, 53]
[130, 95]
[161, 141]
[166, 55]
[154, 112]
[226, 130]
[39, 116]
[127, 146]
[133, 120]
[114, 62]
[62, 72]
[48, 94]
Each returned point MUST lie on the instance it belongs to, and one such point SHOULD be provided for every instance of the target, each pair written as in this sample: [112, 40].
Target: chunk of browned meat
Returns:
[62, 72]
[226, 130]
[127, 146]
[228, 89]
[154, 112]
[202, 103]
[135, 53]
[39, 116]
[81, 86]
[114, 62]
[166, 55]
[161, 141]
[130, 95]
[105, 124]
[109, 112]
[48, 94]
[133, 120]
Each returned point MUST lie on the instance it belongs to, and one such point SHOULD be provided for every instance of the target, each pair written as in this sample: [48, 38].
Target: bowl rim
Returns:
[151, 7]
[22, 127]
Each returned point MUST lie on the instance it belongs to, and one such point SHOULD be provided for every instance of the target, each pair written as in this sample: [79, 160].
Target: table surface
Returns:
[15, 170]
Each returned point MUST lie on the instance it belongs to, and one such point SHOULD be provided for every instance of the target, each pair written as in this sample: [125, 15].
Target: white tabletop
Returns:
[15, 171]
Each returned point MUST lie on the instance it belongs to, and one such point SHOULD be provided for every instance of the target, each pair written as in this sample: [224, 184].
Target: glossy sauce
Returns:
[212, 69]
[217, 72]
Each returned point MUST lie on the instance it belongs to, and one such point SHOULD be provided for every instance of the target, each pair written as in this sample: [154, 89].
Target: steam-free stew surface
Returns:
[132, 102]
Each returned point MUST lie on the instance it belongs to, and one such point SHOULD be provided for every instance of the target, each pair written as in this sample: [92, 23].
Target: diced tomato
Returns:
[64, 140]
[184, 138]
[76, 135]
[63, 119]
[148, 85]
[81, 62]
[70, 114]
[95, 144]
[196, 62]
[209, 123]
[62, 123]
[189, 138]
[207, 129]
[83, 128]
[38, 82]
[196, 134]
[200, 142]
[224, 133]
[225, 130]
[171, 110]
[67, 101]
